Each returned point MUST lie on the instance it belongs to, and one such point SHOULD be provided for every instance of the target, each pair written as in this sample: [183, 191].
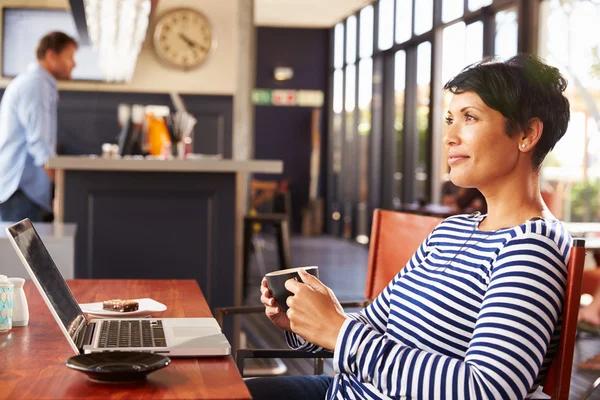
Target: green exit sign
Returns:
[261, 96]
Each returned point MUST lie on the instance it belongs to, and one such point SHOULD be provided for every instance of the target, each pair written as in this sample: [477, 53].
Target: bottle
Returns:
[6, 304]
[20, 307]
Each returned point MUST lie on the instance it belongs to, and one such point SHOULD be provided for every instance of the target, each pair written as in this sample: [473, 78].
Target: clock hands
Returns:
[191, 43]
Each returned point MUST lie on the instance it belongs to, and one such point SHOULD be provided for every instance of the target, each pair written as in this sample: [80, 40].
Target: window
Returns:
[351, 39]
[505, 45]
[423, 16]
[452, 9]
[423, 104]
[403, 20]
[399, 97]
[475, 5]
[339, 46]
[366, 32]
[386, 24]
[22, 30]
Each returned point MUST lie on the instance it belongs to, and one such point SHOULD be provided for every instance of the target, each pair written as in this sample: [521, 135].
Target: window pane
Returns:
[506, 33]
[403, 20]
[350, 87]
[423, 16]
[571, 172]
[477, 4]
[453, 50]
[365, 94]
[423, 101]
[338, 56]
[399, 86]
[351, 39]
[452, 9]
[338, 90]
[474, 40]
[386, 24]
[366, 31]
[365, 83]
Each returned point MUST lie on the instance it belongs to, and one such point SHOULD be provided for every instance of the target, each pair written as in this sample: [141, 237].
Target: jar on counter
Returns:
[6, 304]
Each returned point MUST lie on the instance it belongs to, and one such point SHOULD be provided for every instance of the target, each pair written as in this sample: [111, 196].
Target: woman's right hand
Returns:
[272, 309]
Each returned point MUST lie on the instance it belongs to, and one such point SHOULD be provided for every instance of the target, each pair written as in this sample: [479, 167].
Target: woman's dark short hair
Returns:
[55, 41]
[521, 88]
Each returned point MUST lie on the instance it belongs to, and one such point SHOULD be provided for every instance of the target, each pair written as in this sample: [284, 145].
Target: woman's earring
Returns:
[523, 145]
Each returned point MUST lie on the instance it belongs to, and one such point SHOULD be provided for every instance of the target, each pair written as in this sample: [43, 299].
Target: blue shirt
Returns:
[28, 135]
[473, 315]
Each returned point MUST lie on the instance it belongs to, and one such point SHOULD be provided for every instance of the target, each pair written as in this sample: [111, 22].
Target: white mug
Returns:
[20, 308]
[6, 304]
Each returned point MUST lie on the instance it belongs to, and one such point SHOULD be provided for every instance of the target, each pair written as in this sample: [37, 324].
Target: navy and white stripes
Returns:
[473, 315]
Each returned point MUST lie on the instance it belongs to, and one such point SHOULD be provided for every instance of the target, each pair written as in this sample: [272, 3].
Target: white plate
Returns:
[146, 308]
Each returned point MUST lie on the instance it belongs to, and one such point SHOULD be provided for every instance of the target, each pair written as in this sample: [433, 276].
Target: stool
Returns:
[280, 221]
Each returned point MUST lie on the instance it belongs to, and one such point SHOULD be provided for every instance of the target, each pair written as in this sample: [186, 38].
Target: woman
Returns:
[475, 312]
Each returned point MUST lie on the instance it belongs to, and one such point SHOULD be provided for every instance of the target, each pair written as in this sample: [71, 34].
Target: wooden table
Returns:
[33, 357]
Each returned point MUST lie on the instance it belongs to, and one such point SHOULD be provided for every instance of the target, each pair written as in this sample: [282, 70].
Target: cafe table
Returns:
[33, 357]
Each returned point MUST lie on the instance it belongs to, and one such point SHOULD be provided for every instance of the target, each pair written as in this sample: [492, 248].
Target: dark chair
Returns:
[262, 193]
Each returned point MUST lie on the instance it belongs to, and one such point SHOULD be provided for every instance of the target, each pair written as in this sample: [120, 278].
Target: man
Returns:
[28, 113]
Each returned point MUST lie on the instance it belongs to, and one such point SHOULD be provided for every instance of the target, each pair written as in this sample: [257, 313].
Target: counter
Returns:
[158, 219]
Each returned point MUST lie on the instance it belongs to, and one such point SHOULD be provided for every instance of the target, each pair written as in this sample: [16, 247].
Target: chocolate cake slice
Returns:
[120, 305]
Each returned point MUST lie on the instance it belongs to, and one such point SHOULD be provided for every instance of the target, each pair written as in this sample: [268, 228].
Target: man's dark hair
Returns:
[55, 41]
[521, 88]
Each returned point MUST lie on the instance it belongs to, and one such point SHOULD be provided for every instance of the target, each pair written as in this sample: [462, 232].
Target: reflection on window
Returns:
[338, 55]
[403, 20]
[366, 32]
[399, 99]
[338, 91]
[350, 87]
[423, 16]
[505, 44]
[386, 24]
[423, 102]
[477, 4]
[351, 39]
[452, 9]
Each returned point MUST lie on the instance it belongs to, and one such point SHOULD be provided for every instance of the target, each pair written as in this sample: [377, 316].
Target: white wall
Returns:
[216, 76]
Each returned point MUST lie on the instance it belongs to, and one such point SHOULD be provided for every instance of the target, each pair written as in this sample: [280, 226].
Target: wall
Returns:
[216, 76]
[285, 132]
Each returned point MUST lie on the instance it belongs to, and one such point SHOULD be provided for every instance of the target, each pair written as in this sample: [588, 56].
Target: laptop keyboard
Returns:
[124, 333]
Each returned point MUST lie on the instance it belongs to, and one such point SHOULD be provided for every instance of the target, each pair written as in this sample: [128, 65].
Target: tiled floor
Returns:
[343, 267]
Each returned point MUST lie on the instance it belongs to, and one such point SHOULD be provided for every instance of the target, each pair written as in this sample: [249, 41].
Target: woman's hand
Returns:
[272, 309]
[314, 313]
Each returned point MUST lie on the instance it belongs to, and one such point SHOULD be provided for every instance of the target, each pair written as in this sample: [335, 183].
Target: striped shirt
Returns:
[473, 315]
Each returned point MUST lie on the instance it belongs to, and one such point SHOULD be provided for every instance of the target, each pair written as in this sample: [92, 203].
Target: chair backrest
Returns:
[395, 237]
[558, 380]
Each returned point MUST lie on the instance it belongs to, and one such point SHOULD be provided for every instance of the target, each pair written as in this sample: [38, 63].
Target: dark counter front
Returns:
[155, 225]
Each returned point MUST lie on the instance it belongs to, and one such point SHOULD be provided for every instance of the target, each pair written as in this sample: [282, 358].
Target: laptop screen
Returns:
[49, 279]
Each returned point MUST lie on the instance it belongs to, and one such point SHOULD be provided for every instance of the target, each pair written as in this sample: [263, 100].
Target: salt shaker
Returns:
[20, 307]
[6, 304]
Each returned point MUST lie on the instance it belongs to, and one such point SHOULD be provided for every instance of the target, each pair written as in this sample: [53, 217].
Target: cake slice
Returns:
[120, 305]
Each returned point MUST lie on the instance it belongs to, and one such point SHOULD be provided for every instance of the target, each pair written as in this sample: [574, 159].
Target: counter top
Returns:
[91, 163]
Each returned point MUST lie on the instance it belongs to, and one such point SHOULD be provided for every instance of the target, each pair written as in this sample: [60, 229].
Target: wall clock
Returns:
[184, 38]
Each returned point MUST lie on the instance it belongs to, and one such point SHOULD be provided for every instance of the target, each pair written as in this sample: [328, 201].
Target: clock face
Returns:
[183, 38]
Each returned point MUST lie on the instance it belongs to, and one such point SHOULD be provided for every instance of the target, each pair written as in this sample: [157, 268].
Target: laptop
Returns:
[175, 337]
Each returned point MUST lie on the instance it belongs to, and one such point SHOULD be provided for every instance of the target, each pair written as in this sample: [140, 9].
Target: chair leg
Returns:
[318, 366]
[246, 255]
[283, 239]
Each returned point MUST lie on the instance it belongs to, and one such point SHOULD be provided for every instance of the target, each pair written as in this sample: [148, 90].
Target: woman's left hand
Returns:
[314, 311]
